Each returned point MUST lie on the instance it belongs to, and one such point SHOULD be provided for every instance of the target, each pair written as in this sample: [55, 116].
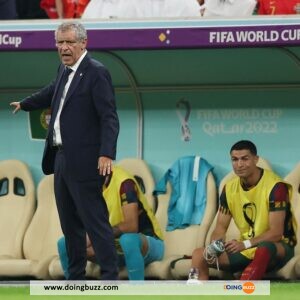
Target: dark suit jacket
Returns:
[89, 122]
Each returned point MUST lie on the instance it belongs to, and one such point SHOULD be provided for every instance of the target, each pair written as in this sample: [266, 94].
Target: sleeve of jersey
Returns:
[128, 192]
[223, 208]
[279, 197]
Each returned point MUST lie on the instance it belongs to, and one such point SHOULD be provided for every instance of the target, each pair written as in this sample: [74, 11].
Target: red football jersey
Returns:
[278, 7]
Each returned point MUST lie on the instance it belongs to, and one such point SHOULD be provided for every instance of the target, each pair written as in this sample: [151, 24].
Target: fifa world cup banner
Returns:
[167, 34]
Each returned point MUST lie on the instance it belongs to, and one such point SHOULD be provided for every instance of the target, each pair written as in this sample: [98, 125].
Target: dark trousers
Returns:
[82, 209]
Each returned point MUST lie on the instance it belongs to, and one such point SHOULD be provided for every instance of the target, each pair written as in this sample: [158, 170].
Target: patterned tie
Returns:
[61, 87]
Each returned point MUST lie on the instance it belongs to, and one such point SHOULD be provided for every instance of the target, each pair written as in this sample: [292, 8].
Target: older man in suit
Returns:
[79, 148]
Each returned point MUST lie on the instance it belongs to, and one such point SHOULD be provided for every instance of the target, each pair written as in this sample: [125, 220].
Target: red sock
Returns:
[257, 268]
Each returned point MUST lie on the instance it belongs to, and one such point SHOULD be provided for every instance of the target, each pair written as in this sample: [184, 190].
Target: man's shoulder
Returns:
[232, 181]
[272, 175]
[95, 63]
[97, 68]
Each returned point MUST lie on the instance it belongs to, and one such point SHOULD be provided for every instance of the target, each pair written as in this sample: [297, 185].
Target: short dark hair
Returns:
[244, 145]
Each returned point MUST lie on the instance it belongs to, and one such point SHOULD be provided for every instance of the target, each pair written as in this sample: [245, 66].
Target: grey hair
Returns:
[78, 28]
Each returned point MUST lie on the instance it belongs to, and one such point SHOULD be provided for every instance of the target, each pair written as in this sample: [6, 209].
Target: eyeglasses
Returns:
[68, 43]
[249, 211]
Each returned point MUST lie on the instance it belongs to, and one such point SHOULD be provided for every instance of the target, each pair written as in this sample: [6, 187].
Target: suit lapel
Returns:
[79, 74]
[55, 102]
[60, 73]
